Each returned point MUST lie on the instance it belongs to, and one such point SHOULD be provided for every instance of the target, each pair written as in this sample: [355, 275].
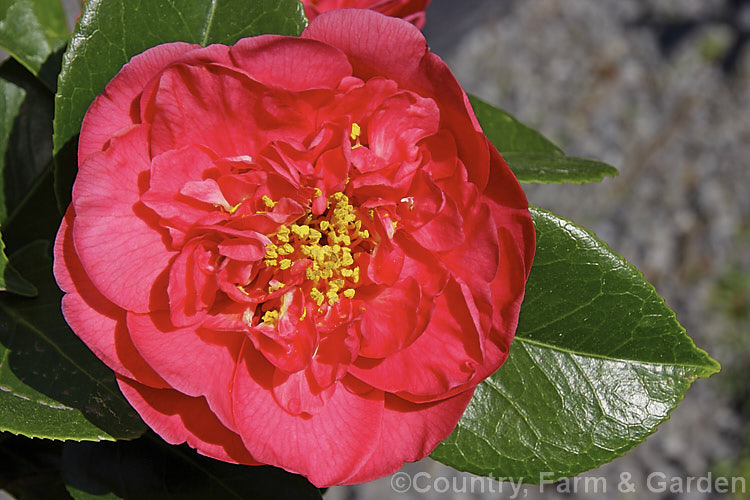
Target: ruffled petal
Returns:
[389, 320]
[178, 418]
[443, 360]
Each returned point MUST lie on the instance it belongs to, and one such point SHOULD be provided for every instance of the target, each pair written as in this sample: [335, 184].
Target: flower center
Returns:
[324, 245]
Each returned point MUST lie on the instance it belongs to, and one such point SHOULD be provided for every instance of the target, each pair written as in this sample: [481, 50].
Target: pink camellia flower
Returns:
[301, 252]
[410, 10]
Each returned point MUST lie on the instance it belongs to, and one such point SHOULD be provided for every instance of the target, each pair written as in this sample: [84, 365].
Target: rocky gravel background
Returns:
[660, 89]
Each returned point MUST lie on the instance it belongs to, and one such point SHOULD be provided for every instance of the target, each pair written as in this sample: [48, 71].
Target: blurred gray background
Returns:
[660, 89]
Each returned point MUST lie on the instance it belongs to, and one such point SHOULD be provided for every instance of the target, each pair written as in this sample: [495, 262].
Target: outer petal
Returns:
[291, 63]
[178, 418]
[517, 241]
[414, 430]
[117, 106]
[96, 320]
[196, 363]
[106, 196]
[325, 447]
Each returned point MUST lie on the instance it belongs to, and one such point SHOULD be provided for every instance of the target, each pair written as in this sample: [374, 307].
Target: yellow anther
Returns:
[268, 201]
[324, 225]
[285, 264]
[364, 234]
[349, 293]
[271, 254]
[355, 274]
[275, 285]
[318, 193]
[286, 249]
[315, 236]
[301, 231]
[271, 318]
[317, 296]
[283, 234]
[234, 208]
[356, 131]
[271, 262]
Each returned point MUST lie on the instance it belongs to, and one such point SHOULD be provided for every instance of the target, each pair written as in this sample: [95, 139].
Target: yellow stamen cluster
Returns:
[327, 244]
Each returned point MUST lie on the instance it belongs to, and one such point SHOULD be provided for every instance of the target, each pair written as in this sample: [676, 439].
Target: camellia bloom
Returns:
[301, 252]
[410, 10]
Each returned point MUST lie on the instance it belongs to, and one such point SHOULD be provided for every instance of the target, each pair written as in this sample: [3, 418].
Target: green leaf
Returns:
[10, 280]
[51, 385]
[149, 468]
[597, 364]
[32, 31]
[552, 169]
[29, 147]
[110, 32]
[25, 149]
[531, 156]
[11, 98]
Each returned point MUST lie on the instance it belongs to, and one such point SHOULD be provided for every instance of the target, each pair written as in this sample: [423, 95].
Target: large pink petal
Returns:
[117, 239]
[291, 63]
[325, 447]
[117, 106]
[443, 360]
[196, 363]
[178, 418]
[413, 431]
[96, 320]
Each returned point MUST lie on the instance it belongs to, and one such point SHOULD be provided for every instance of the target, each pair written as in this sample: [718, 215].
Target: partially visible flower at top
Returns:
[301, 252]
[410, 10]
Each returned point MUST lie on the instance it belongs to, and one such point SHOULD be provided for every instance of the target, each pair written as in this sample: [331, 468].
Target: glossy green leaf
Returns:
[110, 32]
[25, 149]
[11, 98]
[148, 468]
[598, 363]
[531, 156]
[29, 136]
[51, 385]
[32, 31]
[553, 169]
